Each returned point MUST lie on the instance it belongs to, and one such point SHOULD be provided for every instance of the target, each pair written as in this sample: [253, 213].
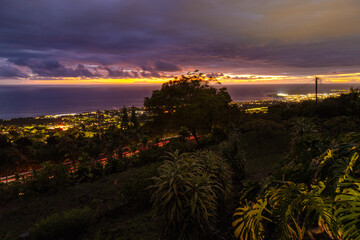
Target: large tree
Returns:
[189, 101]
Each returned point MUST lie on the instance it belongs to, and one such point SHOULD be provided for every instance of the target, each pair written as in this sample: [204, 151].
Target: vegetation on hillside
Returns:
[292, 173]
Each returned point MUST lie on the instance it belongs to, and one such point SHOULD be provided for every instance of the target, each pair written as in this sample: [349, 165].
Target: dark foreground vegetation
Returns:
[292, 173]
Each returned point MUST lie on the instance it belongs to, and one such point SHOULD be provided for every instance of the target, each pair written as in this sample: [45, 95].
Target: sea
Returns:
[32, 101]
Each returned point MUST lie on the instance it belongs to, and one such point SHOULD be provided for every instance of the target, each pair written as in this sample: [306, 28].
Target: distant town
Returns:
[41, 127]
[262, 105]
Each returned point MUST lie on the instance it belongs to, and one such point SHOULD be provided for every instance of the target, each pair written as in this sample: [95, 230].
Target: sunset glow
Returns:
[226, 79]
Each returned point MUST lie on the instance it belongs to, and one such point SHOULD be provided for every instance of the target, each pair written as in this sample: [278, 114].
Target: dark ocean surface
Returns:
[31, 101]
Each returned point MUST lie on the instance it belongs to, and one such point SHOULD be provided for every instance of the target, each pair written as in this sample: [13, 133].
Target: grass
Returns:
[260, 160]
[261, 166]
[139, 226]
[18, 216]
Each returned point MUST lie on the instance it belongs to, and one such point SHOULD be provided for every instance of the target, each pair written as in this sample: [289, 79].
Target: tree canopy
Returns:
[189, 101]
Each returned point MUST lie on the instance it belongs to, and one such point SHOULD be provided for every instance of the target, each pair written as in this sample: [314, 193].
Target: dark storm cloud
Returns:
[120, 73]
[324, 54]
[291, 58]
[123, 73]
[52, 68]
[166, 67]
[158, 69]
[7, 71]
[59, 38]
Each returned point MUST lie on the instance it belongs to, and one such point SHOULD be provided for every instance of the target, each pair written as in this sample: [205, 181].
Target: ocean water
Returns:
[32, 101]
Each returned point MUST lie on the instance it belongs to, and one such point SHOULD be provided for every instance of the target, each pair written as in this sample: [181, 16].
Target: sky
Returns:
[143, 41]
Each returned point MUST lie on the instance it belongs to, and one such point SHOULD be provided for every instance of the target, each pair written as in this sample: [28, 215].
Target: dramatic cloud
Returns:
[52, 68]
[122, 73]
[167, 67]
[119, 73]
[63, 38]
[7, 71]
[158, 69]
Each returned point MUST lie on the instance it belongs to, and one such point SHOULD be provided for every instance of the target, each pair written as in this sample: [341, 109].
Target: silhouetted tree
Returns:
[188, 102]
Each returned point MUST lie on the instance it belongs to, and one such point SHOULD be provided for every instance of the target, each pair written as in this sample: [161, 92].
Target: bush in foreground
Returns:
[67, 225]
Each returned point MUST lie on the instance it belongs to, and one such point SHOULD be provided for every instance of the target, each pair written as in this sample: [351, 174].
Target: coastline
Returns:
[34, 101]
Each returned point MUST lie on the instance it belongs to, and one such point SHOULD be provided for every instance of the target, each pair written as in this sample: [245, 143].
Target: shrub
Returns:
[150, 155]
[97, 170]
[133, 161]
[218, 135]
[188, 193]
[82, 173]
[115, 165]
[257, 132]
[178, 144]
[10, 191]
[51, 177]
[184, 133]
[67, 225]
[234, 155]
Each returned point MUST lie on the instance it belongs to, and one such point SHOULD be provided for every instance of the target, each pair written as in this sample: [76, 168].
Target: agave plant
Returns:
[173, 155]
[302, 127]
[220, 170]
[306, 142]
[186, 194]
